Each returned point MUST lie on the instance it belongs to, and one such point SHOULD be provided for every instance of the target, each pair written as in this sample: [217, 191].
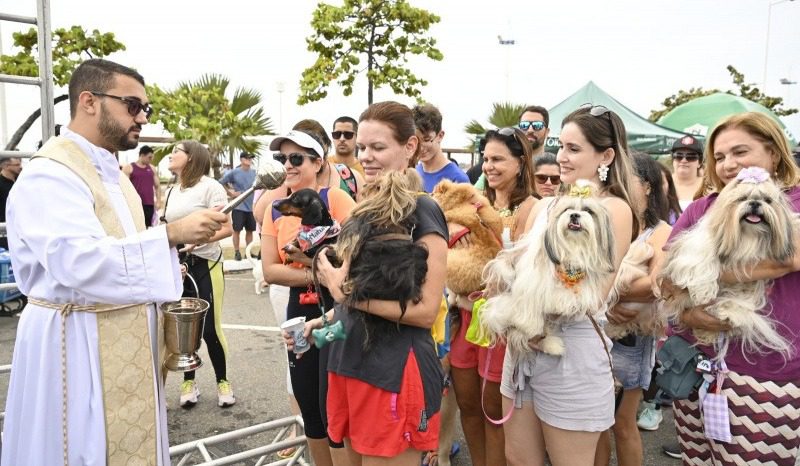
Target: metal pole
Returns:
[766, 42]
[46, 68]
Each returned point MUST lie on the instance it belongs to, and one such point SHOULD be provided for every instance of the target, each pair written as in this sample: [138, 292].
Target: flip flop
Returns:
[287, 453]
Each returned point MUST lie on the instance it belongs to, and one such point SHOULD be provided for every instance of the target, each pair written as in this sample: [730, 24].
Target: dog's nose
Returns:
[754, 205]
[574, 217]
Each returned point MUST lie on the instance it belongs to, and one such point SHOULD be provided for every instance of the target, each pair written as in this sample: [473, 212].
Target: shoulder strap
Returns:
[348, 179]
[605, 345]
[69, 154]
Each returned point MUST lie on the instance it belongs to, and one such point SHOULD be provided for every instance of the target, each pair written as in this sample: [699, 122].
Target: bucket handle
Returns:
[196, 288]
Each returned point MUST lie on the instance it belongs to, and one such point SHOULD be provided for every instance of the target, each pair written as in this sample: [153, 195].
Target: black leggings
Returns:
[215, 342]
[309, 374]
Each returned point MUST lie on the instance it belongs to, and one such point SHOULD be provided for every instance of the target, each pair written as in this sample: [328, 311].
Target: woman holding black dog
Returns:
[302, 157]
[385, 380]
[194, 190]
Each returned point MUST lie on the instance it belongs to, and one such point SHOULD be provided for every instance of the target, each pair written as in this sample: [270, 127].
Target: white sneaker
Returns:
[650, 417]
[189, 394]
[225, 396]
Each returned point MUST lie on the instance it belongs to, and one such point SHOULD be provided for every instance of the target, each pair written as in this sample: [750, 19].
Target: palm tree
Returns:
[503, 114]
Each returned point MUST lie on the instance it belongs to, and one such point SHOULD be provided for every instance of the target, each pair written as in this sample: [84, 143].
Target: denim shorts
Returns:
[633, 365]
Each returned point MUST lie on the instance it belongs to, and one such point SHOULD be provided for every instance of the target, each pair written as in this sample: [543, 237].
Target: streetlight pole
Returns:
[280, 87]
[508, 43]
[766, 42]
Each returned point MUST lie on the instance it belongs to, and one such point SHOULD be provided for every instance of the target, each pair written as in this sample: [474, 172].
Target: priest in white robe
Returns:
[94, 276]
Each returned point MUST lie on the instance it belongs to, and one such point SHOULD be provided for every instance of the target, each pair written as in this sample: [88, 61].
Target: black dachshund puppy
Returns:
[309, 206]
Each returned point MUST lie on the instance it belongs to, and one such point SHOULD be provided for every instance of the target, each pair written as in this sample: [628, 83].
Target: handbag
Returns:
[678, 375]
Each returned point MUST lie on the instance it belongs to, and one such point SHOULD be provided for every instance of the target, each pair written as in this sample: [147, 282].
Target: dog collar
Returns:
[570, 277]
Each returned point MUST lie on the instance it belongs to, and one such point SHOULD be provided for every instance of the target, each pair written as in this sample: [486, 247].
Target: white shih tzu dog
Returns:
[751, 221]
[635, 265]
[556, 273]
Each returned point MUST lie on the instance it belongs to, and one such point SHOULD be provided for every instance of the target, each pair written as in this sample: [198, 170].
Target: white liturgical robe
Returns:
[61, 254]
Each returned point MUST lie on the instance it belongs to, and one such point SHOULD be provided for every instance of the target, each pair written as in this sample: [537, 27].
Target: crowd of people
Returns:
[394, 362]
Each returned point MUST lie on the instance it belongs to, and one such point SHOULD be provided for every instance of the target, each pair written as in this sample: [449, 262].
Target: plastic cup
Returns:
[295, 327]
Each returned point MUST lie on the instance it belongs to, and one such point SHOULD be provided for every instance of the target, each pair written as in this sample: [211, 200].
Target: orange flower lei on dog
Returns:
[570, 278]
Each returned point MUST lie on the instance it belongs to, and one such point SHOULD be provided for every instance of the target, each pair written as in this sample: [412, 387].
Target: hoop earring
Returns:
[602, 172]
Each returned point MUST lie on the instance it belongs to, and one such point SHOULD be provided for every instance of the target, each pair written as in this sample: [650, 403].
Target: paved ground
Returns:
[257, 369]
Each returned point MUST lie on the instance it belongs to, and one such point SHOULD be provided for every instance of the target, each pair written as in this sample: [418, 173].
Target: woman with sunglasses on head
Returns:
[194, 190]
[508, 169]
[561, 404]
[687, 169]
[546, 176]
[761, 387]
[634, 354]
[301, 155]
[384, 402]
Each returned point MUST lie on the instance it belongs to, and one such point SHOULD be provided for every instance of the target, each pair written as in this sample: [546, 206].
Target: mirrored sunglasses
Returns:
[537, 125]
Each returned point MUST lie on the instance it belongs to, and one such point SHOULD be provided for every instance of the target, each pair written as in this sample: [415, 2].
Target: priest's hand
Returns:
[196, 228]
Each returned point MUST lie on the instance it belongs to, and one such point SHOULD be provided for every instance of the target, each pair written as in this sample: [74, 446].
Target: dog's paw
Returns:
[552, 345]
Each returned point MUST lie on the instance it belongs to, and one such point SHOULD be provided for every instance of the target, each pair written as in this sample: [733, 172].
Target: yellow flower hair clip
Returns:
[581, 189]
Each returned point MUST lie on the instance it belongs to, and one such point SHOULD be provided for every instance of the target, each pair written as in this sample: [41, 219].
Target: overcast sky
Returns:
[638, 51]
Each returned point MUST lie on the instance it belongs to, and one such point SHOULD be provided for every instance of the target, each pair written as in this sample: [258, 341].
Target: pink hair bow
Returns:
[754, 175]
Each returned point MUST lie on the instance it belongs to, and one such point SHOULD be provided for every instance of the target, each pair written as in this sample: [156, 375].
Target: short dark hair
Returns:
[96, 75]
[427, 118]
[545, 158]
[540, 110]
[346, 119]
[145, 150]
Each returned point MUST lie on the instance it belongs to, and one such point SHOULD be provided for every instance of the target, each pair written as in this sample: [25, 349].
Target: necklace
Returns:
[570, 277]
[507, 212]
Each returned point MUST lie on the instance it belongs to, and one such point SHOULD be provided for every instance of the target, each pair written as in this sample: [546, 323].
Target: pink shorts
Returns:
[465, 355]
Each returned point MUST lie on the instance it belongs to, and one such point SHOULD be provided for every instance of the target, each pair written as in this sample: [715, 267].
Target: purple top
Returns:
[783, 298]
[142, 180]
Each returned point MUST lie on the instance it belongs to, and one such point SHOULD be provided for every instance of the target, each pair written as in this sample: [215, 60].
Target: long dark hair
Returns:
[673, 205]
[657, 208]
[516, 142]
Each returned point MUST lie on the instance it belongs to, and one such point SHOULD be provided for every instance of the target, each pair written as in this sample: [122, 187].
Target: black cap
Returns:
[689, 143]
[145, 150]
[246, 155]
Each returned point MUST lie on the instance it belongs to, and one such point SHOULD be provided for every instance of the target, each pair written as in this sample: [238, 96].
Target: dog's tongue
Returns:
[753, 218]
[574, 226]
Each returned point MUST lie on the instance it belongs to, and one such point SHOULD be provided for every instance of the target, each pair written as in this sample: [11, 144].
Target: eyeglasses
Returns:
[679, 156]
[536, 125]
[296, 159]
[179, 149]
[347, 134]
[542, 179]
[134, 104]
[598, 111]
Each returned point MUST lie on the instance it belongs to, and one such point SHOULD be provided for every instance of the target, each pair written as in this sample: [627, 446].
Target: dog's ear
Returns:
[549, 244]
[313, 213]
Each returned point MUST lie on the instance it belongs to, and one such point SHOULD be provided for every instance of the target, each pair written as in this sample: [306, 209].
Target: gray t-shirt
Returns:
[241, 180]
[205, 194]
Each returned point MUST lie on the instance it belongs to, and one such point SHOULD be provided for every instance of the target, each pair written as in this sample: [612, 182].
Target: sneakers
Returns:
[673, 450]
[650, 417]
[189, 394]
[225, 394]
[237, 255]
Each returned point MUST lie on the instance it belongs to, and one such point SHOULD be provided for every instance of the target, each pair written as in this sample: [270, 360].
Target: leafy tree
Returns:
[742, 89]
[70, 47]
[201, 110]
[503, 115]
[384, 32]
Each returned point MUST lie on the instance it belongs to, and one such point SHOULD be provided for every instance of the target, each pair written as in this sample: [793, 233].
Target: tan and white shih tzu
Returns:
[751, 221]
[557, 273]
[635, 265]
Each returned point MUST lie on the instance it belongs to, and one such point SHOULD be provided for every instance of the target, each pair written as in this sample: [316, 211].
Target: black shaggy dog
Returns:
[309, 206]
[385, 262]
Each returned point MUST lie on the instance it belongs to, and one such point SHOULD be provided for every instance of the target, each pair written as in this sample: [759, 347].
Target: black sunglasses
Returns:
[542, 179]
[599, 111]
[134, 105]
[296, 159]
[537, 125]
[687, 157]
[347, 134]
[514, 139]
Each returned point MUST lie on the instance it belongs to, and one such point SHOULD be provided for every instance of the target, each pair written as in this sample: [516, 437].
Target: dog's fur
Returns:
[308, 205]
[463, 205]
[635, 265]
[258, 272]
[748, 223]
[529, 297]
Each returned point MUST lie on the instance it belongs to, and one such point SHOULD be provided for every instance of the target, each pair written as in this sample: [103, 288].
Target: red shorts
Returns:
[378, 422]
[465, 355]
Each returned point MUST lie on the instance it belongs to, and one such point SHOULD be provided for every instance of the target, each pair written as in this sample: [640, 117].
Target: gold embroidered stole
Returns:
[126, 358]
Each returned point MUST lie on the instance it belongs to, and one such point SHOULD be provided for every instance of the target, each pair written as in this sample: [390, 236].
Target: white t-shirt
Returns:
[181, 202]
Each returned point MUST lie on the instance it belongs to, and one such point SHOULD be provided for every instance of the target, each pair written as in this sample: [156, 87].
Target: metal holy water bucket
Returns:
[183, 331]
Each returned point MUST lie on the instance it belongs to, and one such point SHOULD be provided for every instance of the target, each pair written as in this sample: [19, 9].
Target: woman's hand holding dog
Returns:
[332, 277]
[698, 318]
[620, 314]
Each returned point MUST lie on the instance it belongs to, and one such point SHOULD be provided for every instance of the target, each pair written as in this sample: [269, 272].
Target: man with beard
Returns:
[344, 134]
[433, 165]
[86, 381]
[535, 121]
[9, 171]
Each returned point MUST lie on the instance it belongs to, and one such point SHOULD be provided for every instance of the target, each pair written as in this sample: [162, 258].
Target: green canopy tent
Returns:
[643, 135]
[699, 116]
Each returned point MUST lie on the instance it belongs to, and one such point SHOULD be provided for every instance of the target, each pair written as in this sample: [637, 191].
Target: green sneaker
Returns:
[650, 417]
[189, 394]
[225, 396]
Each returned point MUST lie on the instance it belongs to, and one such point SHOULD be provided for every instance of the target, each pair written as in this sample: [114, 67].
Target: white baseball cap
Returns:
[300, 138]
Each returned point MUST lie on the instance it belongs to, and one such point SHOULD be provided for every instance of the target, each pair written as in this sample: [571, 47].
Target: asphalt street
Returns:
[257, 370]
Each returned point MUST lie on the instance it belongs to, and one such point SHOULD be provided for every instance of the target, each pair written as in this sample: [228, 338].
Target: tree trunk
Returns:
[26, 125]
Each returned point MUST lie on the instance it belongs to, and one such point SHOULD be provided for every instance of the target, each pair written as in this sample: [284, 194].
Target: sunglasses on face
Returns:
[537, 125]
[134, 104]
[295, 159]
[687, 157]
[347, 134]
[598, 111]
[542, 179]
